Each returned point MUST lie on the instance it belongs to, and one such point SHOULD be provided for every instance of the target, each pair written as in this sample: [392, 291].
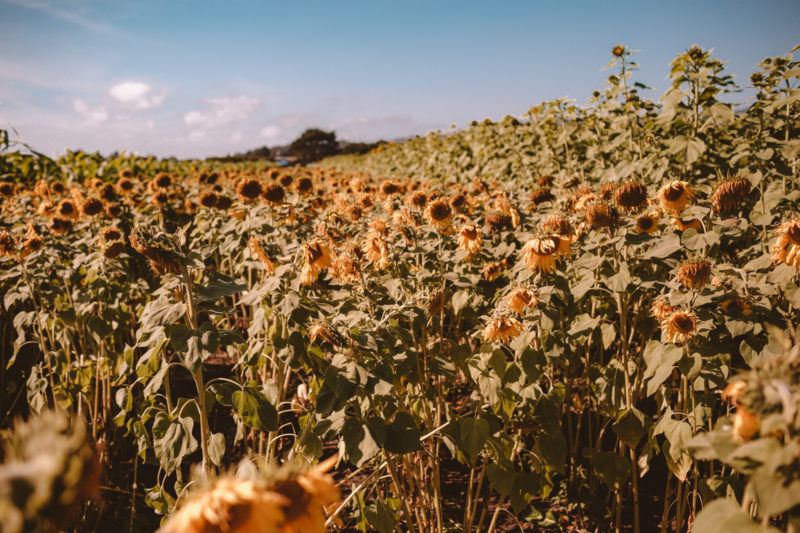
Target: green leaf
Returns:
[612, 469]
[474, 434]
[630, 426]
[380, 517]
[254, 409]
[403, 434]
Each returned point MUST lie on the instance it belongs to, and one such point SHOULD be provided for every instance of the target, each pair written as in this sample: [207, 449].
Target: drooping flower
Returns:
[540, 254]
[600, 215]
[661, 309]
[675, 196]
[787, 246]
[8, 244]
[502, 328]
[520, 299]
[469, 239]
[316, 258]
[730, 194]
[631, 196]
[259, 250]
[694, 274]
[746, 424]
[157, 246]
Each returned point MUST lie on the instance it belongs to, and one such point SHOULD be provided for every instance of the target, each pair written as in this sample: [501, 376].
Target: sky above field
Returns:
[194, 78]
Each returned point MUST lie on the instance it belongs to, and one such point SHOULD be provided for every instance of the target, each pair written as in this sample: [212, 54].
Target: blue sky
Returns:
[197, 78]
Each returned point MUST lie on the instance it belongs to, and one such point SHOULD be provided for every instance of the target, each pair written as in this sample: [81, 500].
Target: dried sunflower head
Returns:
[259, 249]
[502, 327]
[730, 194]
[494, 270]
[520, 299]
[694, 274]
[542, 195]
[679, 327]
[631, 197]
[91, 206]
[498, 221]
[469, 239]
[675, 196]
[541, 253]
[8, 244]
[158, 247]
[661, 309]
[787, 245]
[67, 209]
[601, 215]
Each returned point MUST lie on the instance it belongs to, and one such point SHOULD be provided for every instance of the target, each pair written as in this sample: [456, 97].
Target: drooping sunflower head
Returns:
[736, 307]
[8, 244]
[208, 199]
[438, 214]
[60, 226]
[223, 202]
[498, 221]
[542, 195]
[540, 253]
[158, 247]
[601, 215]
[469, 239]
[694, 274]
[684, 224]
[520, 299]
[248, 190]
[494, 270]
[458, 202]
[389, 187]
[502, 327]
[111, 233]
[679, 327]
[675, 196]
[661, 309]
[730, 194]
[647, 223]
[304, 185]
[559, 224]
[787, 245]
[631, 197]
[260, 250]
[418, 199]
[113, 249]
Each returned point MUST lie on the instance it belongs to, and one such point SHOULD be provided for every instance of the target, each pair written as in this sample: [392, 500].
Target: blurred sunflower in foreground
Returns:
[289, 499]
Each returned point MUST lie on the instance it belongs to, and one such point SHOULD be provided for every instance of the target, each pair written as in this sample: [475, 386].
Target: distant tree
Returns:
[314, 144]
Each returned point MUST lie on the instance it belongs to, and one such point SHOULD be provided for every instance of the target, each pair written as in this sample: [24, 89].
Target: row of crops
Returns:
[583, 318]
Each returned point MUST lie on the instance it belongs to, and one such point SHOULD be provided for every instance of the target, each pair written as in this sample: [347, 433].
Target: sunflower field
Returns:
[583, 318]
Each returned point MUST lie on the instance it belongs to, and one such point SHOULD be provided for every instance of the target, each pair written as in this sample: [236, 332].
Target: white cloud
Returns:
[136, 94]
[90, 115]
[221, 111]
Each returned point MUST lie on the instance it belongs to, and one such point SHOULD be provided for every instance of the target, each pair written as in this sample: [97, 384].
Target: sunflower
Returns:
[316, 258]
[730, 194]
[258, 249]
[309, 494]
[113, 209]
[160, 198]
[502, 328]
[469, 239]
[438, 214]
[560, 225]
[125, 185]
[322, 331]
[787, 246]
[458, 202]
[230, 505]
[540, 254]
[600, 215]
[494, 270]
[389, 187]
[248, 190]
[91, 206]
[694, 274]
[418, 199]
[679, 326]
[661, 309]
[111, 233]
[736, 307]
[286, 180]
[647, 223]
[66, 209]
[59, 225]
[273, 193]
[541, 195]
[684, 224]
[208, 199]
[6, 189]
[745, 423]
[498, 221]
[675, 196]
[520, 299]
[162, 181]
[8, 244]
[618, 51]
[112, 249]
[345, 267]
[157, 246]
[631, 196]
[376, 250]
[32, 243]
[223, 202]
[304, 185]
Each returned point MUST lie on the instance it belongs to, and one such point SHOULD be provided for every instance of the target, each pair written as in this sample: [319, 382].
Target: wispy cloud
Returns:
[221, 111]
[62, 12]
